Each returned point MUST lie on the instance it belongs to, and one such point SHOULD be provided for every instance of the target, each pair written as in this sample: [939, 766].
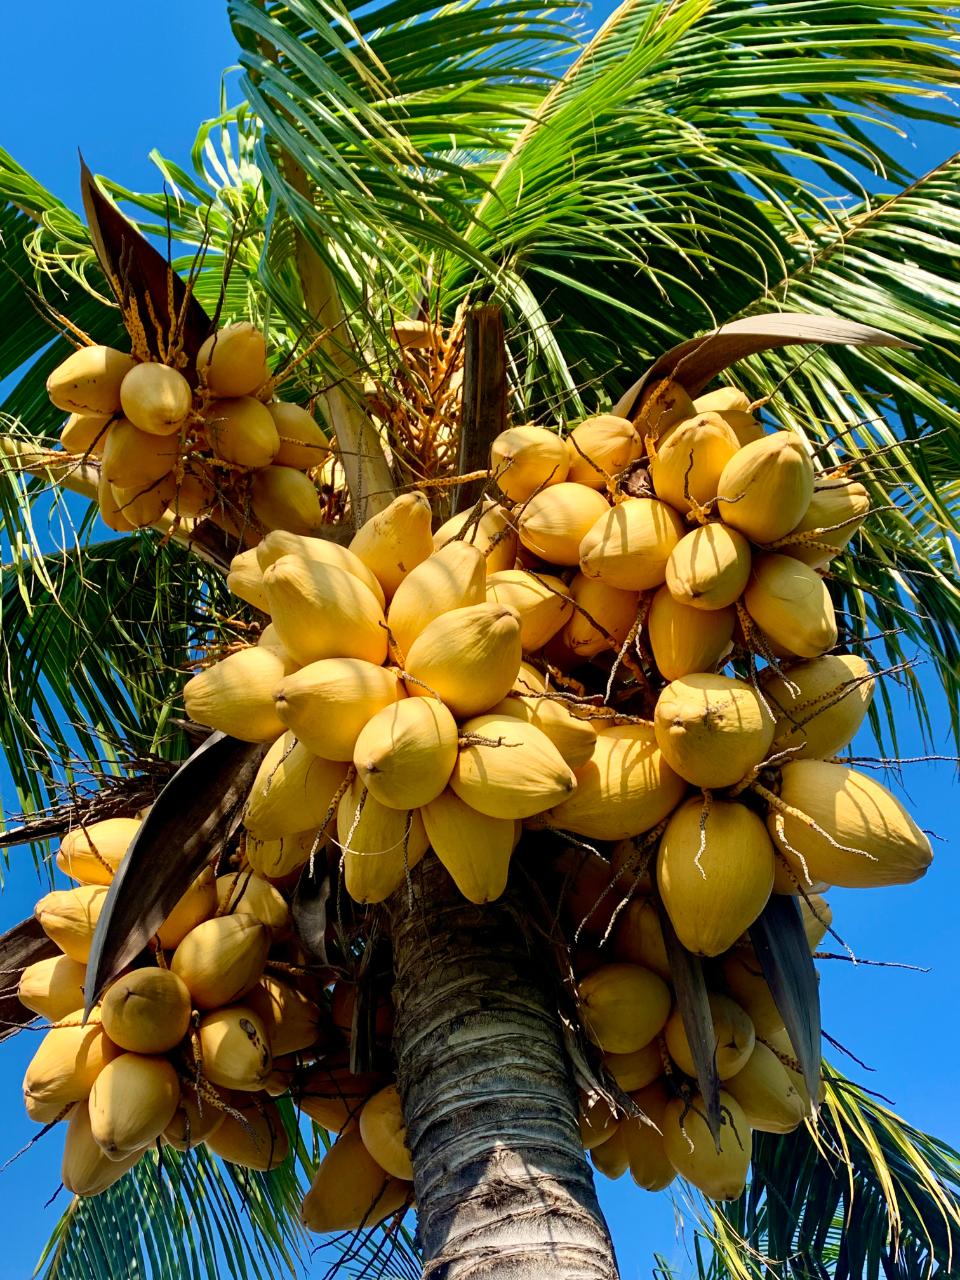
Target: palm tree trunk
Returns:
[502, 1185]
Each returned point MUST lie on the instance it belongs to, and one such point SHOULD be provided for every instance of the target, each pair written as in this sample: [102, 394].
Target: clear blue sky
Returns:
[116, 79]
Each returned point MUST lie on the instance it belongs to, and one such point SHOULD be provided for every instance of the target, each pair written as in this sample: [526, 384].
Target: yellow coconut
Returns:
[837, 510]
[280, 542]
[791, 605]
[327, 703]
[766, 487]
[573, 737]
[715, 873]
[638, 937]
[222, 959]
[196, 492]
[817, 918]
[766, 1093]
[241, 431]
[284, 498]
[132, 1101]
[722, 400]
[143, 505]
[69, 916]
[85, 433]
[473, 847]
[395, 540]
[134, 459]
[541, 600]
[245, 580]
[610, 1156]
[88, 381]
[87, 1170]
[690, 1146]
[529, 680]
[554, 522]
[380, 846]
[819, 705]
[52, 987]
[291, 1019]
[684, 640]
[243, 893]
[62, 1071]
[733, 1035]
[650, 1166]
[690, 459]
[525, 459]
[599, 605]
[291, 793]
[146, 1010]
[509, 769]
[234, 1048]
[743, 978]
[709, 567]
[664, 403]
[302, 443]
[333, 1096]
[600, 447]
[624, 789]
[635, 1070]
[257, 1140]
[489, 529]
[110, 512]
[156, 398]
[236, 694]
[711, 729]
[629, 545]
[406, 752]
[451, 578]
[468, 657]
[597, 1122]
[91, 854]
[862, 836]
[779, 1042]
[350, 1190]
[233, 361]
[197, 904]
[623, 1006]
[323, 612]
[195, 1119]
[384, 1133]
[630, 861]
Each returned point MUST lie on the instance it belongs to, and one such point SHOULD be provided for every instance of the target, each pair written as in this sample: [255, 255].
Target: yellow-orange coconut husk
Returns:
[88, 381]
[766, 1093]
[733, 1036]
[91, 854]
[291, 1019]
[491, 532]
[156, 398]
[684, 640]
[743, 978]
[541, 600]
[610, 1156]
[197, 904]
[766, 487]
[245, 580]
[280, 542]
[650, 1167]
[236, 694]
[333, 1096]
[235, 1048]
[146, 1010]
[52, 987]
[350, 1190]
[573, 737]
[87, 1170]
[624, 789]
[302, 443]
[791, 605]
[837, 510]
[132, 458]
[245, 893]
[406, 752]
[819, 705]
[817, 918]
[143, 505]
[85, 433]
[527, 458]
[278, 858]
[715, 873]
[469, 658]
[509, 768]
[291, 793]
[866, 838]
[285, 498]
[601, 447]
[241, 431]
[323, 612]
[132, 1101]
[635, 1070]
[109, 508]
[451, 578]
[473, 847]
[233, 361]
[67, 1062]
[638, 937]
[690, 1147]
[623, 1006]
[327, 703]
[689, 460]
[69, 916]
[554, 522]
[257, 1141]
[222, 959]
[194, 1120]
[614, 609]
[722, 400]
[395, 540]
[712, 730]
[709, 567]
[384, 1133]
[628, 546]
[380, 846]
[597, 1122]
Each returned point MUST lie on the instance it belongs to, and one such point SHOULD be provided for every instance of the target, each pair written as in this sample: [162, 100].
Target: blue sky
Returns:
[116, 80]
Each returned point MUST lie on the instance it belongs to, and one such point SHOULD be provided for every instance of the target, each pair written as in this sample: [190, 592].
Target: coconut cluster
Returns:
[210, 439]
[192, 1046]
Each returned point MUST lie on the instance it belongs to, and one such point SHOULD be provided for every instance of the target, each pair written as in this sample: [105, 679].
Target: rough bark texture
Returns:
[502, 1185]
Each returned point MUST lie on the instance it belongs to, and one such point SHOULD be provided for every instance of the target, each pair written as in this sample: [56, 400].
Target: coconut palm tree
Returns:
[614, 192]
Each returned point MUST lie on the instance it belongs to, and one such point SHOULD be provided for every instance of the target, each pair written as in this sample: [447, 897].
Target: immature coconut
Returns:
[610, 1156]
[291, 793]
[635, 1070]
[132, 1101]
[527, 458]
[628, 545]
[743, 978]
[234, 1048]
[245, 579]
[233, 360]
[302, 443]
[468, 657]
[88, 381]
[451, 578]
[491, 532]
[194, 1120]
[132, 458]
[573, 736]
[69, 916]
[689, 460]
[198, 903]
[323, 612]
[622, 1006]
[275, 859]
[66, 1063]
[650, 1167]
[92, 853]
[244, 893]
[601, 447]
[857, 835]
[684, 640]
[663, 403]
[257, 1140]
[638, 937]
[395, 540]
[766, 1093]
[332, 1095]
[236, 694]
[241, 431]
[406, 752]
[384, 1133]
[614, 609]
[733, 1037]
[541, 600]
[281, 542]
[327, 703]
[711, 729]
[509, 769]
[766, 487]
[143, 505]
[722, 400]
[156, 398]
[110, 511]
[817, 918]
[819, 705]
[837, 510]
[292, 1021]
[597, 1122]
[690, 1146]
[474, 848]
[553, 523]
[350, 1190]
[715, 873]
[146, 1010]
[284, 498]
[791, 605]
[222, 959]
[52, 987]
[87, 1170]
[380, 846]
[709, 567]
[85, 433]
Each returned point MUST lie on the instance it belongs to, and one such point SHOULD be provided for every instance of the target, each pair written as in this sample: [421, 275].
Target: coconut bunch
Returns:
[204, 439]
